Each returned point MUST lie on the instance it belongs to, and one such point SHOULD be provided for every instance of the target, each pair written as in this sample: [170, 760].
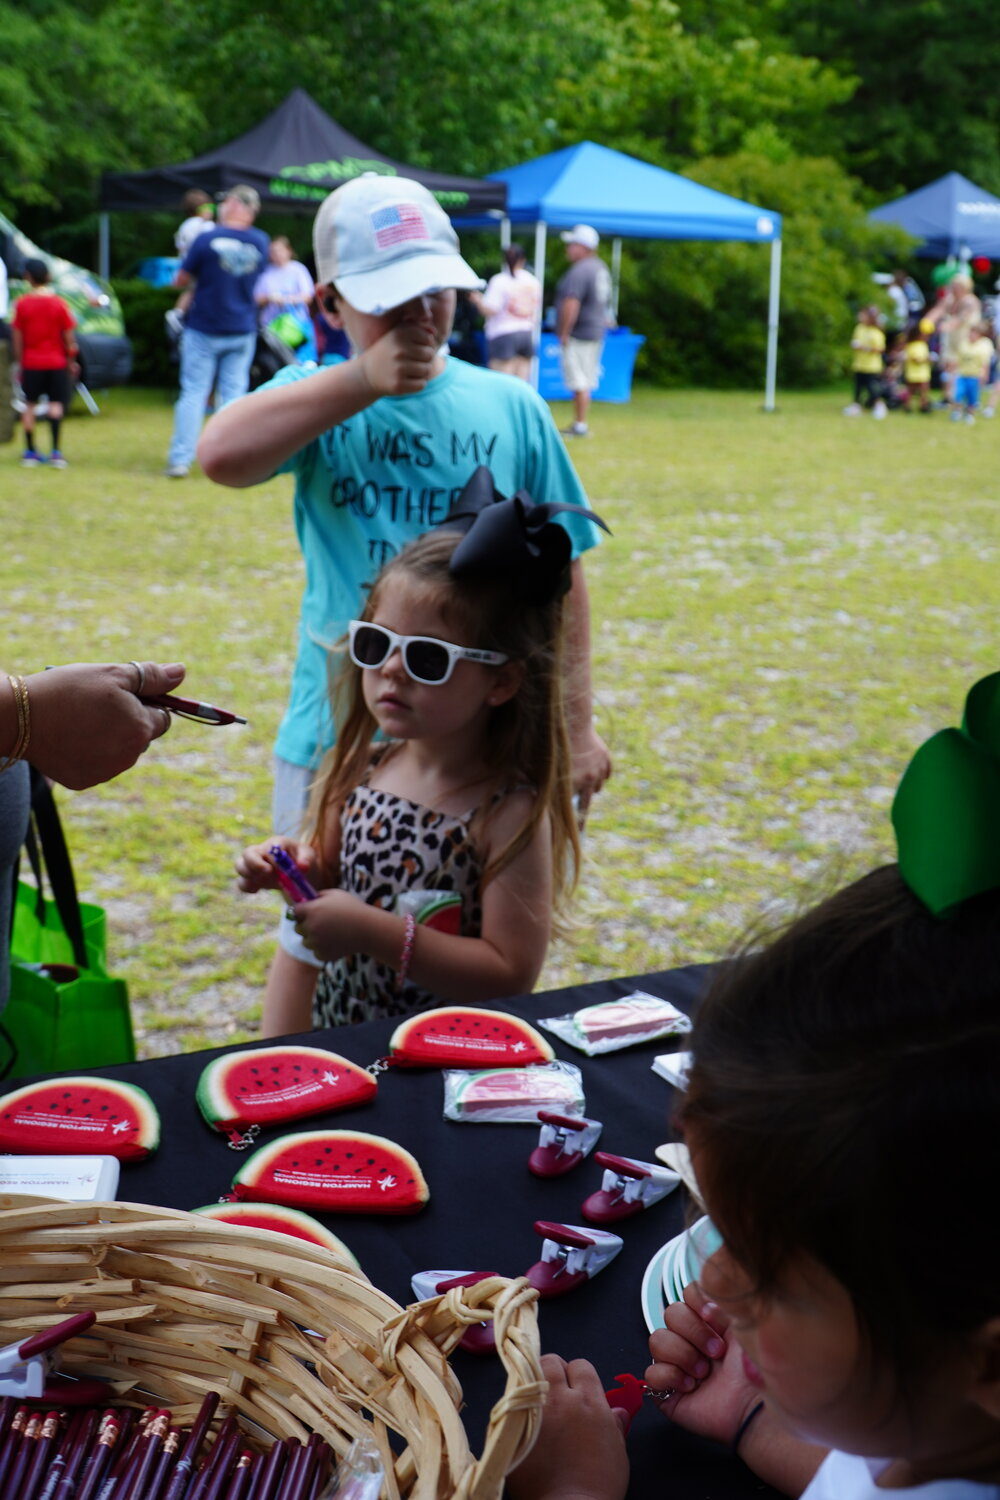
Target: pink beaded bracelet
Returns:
[409, 933]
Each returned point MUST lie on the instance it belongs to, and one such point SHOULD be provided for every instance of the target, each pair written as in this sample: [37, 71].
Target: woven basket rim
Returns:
[291, 1335]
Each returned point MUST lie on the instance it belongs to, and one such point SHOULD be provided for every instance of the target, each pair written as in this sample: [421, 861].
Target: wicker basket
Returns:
[292, 1339]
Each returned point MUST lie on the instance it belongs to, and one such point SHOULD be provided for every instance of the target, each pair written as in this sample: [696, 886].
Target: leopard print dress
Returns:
[390, 845]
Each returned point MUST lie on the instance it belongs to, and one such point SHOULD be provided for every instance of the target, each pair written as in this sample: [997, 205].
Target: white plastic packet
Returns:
[613, 1024]
[513, 1095]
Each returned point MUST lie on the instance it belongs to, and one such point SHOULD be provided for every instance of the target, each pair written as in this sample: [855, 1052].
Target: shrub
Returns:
[143, 307]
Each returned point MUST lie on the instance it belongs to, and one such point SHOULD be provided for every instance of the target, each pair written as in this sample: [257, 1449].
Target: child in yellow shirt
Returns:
[868, 346]
[972, 364]
[917, 363]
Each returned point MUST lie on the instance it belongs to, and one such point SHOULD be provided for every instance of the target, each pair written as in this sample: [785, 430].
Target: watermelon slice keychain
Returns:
[464, 1036]
[240, 1092]
[79, 1116]
[339, 1171]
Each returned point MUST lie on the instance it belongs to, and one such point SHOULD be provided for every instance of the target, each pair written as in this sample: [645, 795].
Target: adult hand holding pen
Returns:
[85, 722]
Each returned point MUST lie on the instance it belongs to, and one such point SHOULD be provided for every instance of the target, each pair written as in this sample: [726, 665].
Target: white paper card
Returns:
[78, 1179]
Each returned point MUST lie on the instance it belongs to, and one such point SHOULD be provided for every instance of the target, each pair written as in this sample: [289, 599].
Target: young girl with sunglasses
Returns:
[842, 1112]
[467, 790]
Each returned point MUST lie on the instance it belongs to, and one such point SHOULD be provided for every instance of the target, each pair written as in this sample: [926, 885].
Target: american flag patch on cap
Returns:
[396, 222]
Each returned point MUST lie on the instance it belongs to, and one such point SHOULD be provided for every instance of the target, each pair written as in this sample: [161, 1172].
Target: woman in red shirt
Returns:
[45, 348]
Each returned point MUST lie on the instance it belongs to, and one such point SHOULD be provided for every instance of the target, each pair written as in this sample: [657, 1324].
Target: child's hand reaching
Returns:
[697, 1359]
[329, 926]
[580, 1452]
[703, 1368]
[256, 871]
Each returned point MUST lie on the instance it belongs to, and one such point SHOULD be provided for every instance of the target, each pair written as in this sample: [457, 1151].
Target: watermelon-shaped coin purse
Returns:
[338, 1171]
[79, 1116]
[462, 1036]
[242, 1091]
[280, 1220]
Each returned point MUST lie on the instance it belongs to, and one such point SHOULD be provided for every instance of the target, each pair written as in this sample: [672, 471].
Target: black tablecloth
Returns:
[483, 1206]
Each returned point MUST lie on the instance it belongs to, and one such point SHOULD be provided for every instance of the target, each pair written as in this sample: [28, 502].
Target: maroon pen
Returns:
[190, 708]
[165, 1464]
[189, 1453]
[204, 1475]
[12, 1443]
[25, 1453]
[100, 1458]
[146, 1456]
[58, 1464]
[242, 1475]
[74, 1461]
[286, 1489]
[266, 1485]
[221, 1472]
[48, 1438]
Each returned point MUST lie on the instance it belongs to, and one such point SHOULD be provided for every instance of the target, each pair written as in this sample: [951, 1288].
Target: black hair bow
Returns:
[513, 540]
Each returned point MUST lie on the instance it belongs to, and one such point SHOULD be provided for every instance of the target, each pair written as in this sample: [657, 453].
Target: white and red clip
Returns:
[571, 1255]
[24, 1367]
[627, 1187]
[478, 1338]
[563, 1143]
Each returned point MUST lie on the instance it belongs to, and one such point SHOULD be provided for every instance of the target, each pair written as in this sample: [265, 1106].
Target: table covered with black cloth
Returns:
[483, 1206]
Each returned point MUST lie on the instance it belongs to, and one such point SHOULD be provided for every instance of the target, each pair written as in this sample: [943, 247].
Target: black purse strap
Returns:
[46, 846]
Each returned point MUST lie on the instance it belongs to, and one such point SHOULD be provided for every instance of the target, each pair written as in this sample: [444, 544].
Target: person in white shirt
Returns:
[510, 305]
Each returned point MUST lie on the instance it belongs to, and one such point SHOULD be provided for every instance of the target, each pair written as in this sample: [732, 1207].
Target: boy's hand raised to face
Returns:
[402, 361]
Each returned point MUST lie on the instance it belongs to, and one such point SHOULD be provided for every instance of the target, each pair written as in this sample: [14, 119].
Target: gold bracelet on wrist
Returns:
[20, 690]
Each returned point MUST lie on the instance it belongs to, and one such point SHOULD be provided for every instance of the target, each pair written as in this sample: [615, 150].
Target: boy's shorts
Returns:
[581, 361]
[288, 805]
[51, 383]
[966, 392]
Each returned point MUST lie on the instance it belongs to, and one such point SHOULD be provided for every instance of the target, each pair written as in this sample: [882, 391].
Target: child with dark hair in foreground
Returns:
[846, 1337]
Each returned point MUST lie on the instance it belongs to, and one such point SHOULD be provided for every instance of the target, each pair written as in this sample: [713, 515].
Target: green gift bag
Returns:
[64, 1011]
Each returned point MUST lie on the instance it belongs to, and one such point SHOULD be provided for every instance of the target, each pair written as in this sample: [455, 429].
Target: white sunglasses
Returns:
[425, 659]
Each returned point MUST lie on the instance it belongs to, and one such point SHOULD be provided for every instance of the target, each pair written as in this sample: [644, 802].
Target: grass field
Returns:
[789, 604]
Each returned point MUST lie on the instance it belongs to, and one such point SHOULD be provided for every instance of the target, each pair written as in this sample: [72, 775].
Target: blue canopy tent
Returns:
[624, 197]
[950, 216]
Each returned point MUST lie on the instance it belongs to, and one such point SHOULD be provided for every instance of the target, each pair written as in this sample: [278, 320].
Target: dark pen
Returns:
[189, 708]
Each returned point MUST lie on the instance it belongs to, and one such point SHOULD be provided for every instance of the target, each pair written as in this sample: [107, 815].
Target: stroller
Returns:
[270, 355]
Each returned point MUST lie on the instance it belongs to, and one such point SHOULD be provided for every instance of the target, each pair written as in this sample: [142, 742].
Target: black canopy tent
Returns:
[293, 158]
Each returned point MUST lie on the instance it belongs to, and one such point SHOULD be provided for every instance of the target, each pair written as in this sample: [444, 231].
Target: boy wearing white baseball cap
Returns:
[380, 446]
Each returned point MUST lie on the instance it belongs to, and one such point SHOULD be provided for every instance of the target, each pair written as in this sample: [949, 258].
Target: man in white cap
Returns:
[220, 325]
[583, 305]
[380, 446]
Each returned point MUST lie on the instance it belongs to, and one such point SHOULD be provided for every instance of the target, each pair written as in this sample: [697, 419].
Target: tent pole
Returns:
[504, 233]
[774, 297]
[540, 233]
[104, 246]
[616, 274]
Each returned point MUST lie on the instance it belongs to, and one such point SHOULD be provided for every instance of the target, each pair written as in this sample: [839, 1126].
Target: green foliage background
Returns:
[818, 112]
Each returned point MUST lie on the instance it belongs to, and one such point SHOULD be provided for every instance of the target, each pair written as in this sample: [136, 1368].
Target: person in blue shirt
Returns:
[220, 326]
[380, 447]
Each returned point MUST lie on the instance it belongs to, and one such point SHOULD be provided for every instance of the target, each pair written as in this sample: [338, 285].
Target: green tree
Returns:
[76, 96]
[683, 81]
[704, 306]
[924, 104]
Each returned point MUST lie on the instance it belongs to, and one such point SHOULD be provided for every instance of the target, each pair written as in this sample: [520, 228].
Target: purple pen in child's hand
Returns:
[290, 877]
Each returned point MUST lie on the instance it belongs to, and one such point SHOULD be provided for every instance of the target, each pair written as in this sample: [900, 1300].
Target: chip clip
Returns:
[563, 1143]
[571, 1255]
[627, 1187]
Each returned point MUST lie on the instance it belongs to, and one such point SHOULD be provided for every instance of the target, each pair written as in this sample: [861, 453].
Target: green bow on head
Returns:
[946, 812]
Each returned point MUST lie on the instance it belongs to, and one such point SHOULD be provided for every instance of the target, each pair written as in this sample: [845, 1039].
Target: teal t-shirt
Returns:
[367, 487]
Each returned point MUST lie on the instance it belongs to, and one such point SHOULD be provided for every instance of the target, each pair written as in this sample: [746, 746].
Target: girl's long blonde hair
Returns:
[527, 741]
